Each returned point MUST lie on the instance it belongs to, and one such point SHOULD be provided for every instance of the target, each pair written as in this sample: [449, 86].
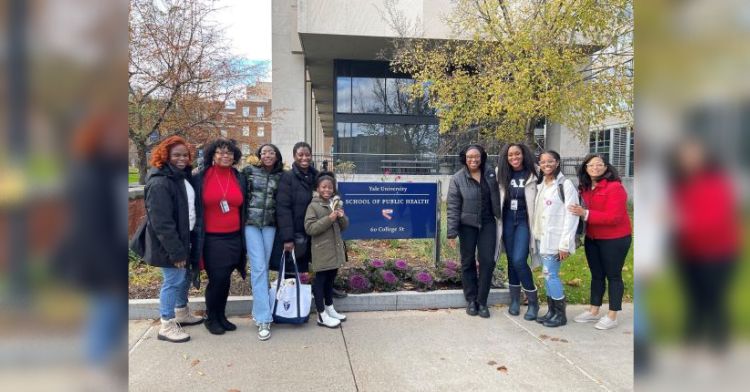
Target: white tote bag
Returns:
[290, 300]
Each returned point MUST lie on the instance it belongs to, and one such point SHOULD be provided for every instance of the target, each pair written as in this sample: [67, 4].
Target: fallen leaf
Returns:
[195, 362]
[543, 337]
[574, 282]
[563, 340]
[492, 363]
[627, 333]
[200, 373]
[442, 359]
[185, 356]
[234, 390]
[502, 369]
[555, 339]
[229, 365]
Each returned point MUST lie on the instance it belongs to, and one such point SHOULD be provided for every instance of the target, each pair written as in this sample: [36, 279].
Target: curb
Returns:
[399, 300]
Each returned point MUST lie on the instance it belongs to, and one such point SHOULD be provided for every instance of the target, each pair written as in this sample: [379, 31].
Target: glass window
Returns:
[261, 131]
[245, 148]
[230, 105]
[246, 128]
[245, 111]
[599, 142]
[368, 95]
[415, 139]
[344, 95]
[260, 111]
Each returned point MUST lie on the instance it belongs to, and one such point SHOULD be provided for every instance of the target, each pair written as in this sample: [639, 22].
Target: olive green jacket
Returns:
[328, 251]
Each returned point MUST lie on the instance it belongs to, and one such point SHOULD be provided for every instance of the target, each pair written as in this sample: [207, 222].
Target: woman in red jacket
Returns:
[608, 235]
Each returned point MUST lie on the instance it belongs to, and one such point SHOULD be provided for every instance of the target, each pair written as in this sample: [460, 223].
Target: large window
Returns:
[599, 142]
[617, 145]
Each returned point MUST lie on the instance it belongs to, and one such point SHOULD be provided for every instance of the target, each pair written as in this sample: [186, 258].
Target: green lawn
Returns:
[132, 175]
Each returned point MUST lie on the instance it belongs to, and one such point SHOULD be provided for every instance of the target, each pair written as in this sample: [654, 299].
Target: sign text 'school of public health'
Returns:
[389, 210]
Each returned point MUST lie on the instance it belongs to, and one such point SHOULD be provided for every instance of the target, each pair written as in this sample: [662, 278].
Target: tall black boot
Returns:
[515, 300]
[225, 323]
[533, 308]
[212, 323]
[549, 314]
[559, 319]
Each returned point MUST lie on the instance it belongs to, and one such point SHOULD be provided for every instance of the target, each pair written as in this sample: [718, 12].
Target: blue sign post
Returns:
[388, 210]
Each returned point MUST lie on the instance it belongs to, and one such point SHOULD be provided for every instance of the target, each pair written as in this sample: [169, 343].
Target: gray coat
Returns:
[328, 251]
[465, 200]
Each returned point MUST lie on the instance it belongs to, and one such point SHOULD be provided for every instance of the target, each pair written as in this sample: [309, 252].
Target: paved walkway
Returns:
[440, 350]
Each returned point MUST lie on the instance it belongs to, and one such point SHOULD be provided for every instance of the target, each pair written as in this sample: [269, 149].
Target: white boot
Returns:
[324, 320]
[333, 313]
[183, 316]
[170, 331]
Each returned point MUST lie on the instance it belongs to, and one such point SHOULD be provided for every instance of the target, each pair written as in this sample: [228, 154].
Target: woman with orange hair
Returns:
[171, 214]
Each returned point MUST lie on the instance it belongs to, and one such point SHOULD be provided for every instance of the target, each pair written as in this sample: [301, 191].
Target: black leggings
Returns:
[220, 253]
[606, 259]
[706, 284]
[322, 288]
[473, 240]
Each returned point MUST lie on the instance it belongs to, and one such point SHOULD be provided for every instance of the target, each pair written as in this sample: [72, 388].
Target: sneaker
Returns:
[264, 331]
[333, 313]
[324, 320]
[586, 317]
[171, 331]
[184, 317]
[606, 323]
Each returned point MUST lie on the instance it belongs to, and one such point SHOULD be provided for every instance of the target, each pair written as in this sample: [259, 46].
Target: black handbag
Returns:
[138, 243]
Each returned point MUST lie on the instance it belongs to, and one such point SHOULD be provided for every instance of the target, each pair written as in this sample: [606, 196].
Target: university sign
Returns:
[390, 210]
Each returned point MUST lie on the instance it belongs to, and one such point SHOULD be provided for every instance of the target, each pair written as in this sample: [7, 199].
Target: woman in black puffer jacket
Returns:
[473, 210]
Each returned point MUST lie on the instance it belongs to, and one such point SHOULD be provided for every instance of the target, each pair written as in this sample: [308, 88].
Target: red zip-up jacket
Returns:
[608, 211]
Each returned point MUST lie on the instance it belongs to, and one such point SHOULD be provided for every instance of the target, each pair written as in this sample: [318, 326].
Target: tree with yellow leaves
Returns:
[514, 63]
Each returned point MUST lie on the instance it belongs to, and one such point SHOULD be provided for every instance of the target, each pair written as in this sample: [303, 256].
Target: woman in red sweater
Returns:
[221, 191]
[608, 236]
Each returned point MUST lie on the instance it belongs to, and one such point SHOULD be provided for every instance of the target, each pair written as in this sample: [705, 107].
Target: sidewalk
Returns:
[440, 350]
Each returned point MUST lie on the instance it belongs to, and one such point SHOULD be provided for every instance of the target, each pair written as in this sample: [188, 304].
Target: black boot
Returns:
[559, 319]
[549, 314]
[471, 308]
[225, 323]
[533, 308]
[515, 300]
[213, 324]
[483, 311]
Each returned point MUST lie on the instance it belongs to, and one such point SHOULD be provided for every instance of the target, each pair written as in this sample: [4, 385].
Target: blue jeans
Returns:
[259, 242]
[551, 270]
[174, 291]
[104, 328]
[516, 237]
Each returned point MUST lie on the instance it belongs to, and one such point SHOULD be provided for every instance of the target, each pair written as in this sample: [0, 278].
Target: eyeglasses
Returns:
[594, 165]
[224, 153]
[547, 162]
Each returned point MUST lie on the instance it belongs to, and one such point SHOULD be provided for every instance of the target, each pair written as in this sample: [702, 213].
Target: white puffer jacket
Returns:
[559, 224]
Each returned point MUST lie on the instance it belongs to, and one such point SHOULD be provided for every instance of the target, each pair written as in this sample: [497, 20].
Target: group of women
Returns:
[530, 208]
[216, 218]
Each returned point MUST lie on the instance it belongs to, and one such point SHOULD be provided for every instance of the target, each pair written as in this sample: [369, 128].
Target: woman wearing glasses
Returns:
[220, 194]
[608, 236]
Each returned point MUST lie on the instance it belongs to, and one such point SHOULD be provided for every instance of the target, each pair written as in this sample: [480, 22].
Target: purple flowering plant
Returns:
[401, 268]
[424, 280]
[359, 283]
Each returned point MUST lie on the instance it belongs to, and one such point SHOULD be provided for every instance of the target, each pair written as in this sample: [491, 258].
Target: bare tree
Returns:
[180, 72]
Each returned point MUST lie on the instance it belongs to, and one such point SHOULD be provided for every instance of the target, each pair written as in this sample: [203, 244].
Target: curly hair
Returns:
[210, 149]
[160, 153]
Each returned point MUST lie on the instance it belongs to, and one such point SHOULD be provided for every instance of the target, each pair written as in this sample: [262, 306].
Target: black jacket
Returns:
[292, 198]
[168, 228]
[199, 232]
[465, 200]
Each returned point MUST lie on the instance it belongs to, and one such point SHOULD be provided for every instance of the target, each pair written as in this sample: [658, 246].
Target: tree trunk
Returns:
[142, 162]
[530, 141]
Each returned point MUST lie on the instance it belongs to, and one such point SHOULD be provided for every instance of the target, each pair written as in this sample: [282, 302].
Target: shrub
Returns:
[359, 283]
[402, 269]
[448, 275]
[388, 281]
[424, 280]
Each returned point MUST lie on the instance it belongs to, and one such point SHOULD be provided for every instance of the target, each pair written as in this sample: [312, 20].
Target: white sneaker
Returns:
[170, 331]
[324, 320]
[183, 316]
[586, 317]
[264, 331]
[333, 313]
[606, 323]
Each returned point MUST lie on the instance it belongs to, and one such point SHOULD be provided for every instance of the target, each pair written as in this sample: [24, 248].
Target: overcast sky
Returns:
[248, 27]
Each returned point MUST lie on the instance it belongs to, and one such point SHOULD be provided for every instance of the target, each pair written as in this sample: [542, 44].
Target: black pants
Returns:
[220, 253]
[606, 259]
[473, 240]
[706, 284]
[322, 288]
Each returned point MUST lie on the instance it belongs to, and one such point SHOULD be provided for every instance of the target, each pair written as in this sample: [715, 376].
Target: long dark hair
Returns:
[482, 153]
[585, 181]
[279, 165]
[505, 172]
[555, 155]
[210, 149]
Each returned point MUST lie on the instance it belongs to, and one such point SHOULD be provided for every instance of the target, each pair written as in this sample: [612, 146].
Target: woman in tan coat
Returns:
[324, 222]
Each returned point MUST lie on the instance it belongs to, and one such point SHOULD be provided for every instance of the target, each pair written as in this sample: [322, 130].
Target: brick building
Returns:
[248, 120]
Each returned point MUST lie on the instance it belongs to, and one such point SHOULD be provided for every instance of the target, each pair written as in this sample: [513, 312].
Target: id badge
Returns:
[514, 205]
[224, 206]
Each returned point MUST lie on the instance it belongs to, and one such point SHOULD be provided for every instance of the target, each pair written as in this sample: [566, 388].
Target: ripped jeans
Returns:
[551, 270]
